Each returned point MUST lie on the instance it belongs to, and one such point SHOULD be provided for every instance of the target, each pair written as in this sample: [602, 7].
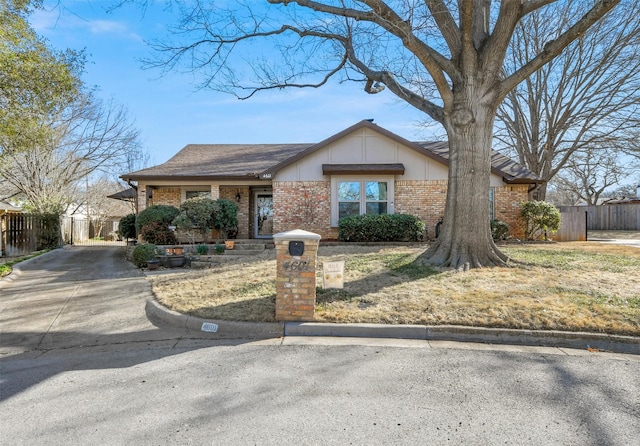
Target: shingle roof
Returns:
[245, 161]
[220, 161]
[502, 165]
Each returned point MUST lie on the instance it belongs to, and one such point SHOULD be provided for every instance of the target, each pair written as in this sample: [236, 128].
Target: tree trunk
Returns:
[465, 237]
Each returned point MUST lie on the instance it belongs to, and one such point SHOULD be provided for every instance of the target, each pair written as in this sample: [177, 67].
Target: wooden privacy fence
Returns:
[573, 227]
[24, 233]
[608, 217]
[94, 232]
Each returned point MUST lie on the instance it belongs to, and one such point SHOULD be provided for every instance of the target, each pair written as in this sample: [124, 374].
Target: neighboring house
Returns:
[363, 169]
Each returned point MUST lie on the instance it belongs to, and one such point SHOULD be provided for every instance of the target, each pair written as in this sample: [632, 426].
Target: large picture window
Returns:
[361, 196]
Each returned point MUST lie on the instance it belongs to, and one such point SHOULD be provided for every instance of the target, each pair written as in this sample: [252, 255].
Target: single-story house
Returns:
[362, 169]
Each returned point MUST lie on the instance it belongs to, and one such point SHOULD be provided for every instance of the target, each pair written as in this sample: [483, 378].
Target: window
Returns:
[357, 197]
[198, 193]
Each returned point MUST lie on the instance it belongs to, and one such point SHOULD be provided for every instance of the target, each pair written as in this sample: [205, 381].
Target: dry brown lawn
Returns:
[574, 286]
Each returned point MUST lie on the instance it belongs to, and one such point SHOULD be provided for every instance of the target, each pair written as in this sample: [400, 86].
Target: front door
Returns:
[263, 223]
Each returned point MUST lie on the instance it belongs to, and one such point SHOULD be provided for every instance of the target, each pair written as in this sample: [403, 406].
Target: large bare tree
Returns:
[445, 58]
[585, 100]
[589, 175]
[87, 137]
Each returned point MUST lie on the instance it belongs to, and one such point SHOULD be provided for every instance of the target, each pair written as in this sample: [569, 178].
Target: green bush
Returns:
[127, 226]
[499, 230]
[225, 217]
[539, 219]
[380, 228]
[158, 234]
[202, 249]
[196, 217]
[142, 253]
[161, 214]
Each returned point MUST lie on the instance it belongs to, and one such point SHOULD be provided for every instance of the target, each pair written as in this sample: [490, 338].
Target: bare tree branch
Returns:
[555, 47]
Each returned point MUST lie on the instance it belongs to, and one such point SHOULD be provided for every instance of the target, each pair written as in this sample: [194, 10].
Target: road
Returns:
[81, 364]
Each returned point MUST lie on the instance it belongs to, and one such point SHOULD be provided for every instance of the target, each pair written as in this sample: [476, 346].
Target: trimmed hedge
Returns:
[380, 228]
[161, 214]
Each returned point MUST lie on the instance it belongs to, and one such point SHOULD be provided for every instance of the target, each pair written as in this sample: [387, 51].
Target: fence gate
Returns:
[89, 232]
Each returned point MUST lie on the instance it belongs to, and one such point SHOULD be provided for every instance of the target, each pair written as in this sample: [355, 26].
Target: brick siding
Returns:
[230, 193]
[303, 205]
[168, 196]
[307, 204]
[507, 202]
[424, 199]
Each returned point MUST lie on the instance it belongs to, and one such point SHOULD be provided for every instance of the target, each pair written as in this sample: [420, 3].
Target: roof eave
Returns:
[147, 178]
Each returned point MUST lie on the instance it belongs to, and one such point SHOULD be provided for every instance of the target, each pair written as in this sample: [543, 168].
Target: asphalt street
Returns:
[81, 363]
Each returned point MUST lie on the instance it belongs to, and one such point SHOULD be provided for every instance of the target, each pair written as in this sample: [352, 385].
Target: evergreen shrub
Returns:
[380, 228]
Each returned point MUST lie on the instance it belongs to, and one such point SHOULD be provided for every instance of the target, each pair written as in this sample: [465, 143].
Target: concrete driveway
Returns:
[77, 296]
[627, 238]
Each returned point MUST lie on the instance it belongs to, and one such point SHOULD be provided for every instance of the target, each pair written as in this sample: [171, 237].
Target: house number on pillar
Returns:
[296, 265]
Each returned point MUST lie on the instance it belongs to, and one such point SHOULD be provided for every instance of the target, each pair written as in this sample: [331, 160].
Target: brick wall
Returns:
[507, 202]
[424, 199]
[307, 204]
[229, 193]
[303, 205]
[168, 196]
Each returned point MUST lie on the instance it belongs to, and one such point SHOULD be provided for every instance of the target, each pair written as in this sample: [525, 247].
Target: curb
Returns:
[544, 338]
[220, 329]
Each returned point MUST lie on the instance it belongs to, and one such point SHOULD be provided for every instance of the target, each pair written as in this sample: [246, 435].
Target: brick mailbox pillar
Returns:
[296, 252]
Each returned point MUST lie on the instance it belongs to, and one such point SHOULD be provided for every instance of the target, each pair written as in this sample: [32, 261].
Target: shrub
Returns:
[158, 234]
[380, 228]
[499, 230]
[127, 226]
[539, 219]
[142, 253]
[196, 216]
[202, 249]
[225, 217]
[160, 214]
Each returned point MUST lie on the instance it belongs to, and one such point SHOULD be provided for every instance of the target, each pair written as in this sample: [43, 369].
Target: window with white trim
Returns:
[352, 196]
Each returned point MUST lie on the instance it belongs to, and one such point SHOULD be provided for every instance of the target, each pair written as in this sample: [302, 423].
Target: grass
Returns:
[564, 286]
[7, 267]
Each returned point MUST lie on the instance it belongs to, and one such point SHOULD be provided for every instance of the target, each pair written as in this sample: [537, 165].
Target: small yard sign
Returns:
[333, 274]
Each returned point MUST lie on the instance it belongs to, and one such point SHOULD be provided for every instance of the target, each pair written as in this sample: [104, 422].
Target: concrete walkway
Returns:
[90, 296]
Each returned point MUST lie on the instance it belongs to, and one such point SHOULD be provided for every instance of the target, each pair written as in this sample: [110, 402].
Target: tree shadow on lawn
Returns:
[260, 309]
[399, 269]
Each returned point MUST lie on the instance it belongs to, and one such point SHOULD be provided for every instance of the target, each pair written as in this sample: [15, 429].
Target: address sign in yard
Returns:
[333, 274]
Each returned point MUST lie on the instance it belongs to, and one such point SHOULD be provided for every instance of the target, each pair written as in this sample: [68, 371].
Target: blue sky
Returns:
[171, 112]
